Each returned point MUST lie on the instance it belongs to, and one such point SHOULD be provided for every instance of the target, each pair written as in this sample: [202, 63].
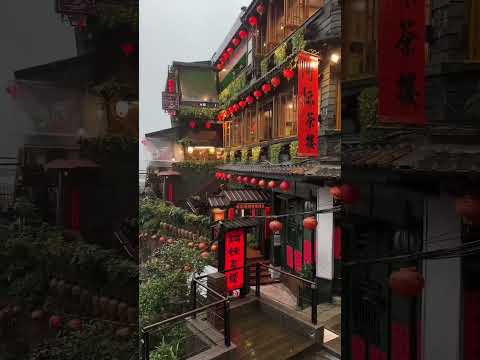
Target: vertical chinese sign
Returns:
[308, 105]
[401, 61]
[235, 259]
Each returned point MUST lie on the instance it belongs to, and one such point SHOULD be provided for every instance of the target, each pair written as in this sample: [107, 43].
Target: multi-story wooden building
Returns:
[414, 178]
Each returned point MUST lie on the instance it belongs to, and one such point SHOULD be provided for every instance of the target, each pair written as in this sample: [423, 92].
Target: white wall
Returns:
[324, 259]
[442, 293]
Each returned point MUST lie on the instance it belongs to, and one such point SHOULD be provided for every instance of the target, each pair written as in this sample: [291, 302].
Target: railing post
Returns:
[146, 345]
[194, 296]
[257, 279]
[314, 303]
[226, 322]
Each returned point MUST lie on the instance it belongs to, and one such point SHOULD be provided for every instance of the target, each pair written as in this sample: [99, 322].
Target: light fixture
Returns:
[290, 105]
[224, 70]
[190, 149]
[173, 159]
[335, 58]
[282, 27]
[211, 150]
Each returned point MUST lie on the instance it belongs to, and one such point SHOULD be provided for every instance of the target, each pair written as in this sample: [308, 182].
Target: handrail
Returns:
[287, 273]
[185, 315]
[211, 290]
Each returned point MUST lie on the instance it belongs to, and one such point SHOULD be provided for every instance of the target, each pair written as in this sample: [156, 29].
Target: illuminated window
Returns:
[286, 115]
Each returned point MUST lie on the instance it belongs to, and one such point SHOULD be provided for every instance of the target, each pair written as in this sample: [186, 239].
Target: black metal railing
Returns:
[311, 284]
[195, 284]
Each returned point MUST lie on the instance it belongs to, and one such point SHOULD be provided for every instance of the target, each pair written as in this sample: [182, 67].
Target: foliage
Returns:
[106, 149]
[252, 241]
[191, 112]
[244, 156]
[233, 73]
[472, 107]
[293, 149]
[256, 151]
[368, 110]
[118, 15]
[112, 88]
[96, 341]
[274, 153]
[232, 90]
[226, 156]
[280, 54]
[298, 40]
[196, 165]
[307, 272]
[185, 142]
[264, 65]
[232, 156]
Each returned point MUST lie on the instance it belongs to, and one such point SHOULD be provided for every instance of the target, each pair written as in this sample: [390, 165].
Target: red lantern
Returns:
[262, 184]
[261, 9]
[272, 184]
[192, 124]
[258, 94]
[243, 34]
[171, 86]
[276, 81]
[246, 179]
[217, 175]
[55, 322]
[253, 21]
[266, 88]
[226, 56]
[288, 74]
[349, 194]
[250, 99]
[219, 67]
[469, 208]
[208, 124]
[230, 50]
[336, 192]
[229, 177]
[310, 223]
[239, 179]
[284, 186]
[275, 226]
[127, 48]
[242, 104]
[253, 181]
[407, 282]
[236, 41]
[236, 108]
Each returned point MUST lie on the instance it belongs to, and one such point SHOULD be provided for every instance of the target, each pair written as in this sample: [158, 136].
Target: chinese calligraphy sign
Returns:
[170, 102]
[308, 95]
[401, 61]
[235, 258]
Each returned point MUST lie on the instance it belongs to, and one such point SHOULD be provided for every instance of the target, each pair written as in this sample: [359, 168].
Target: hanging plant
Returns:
[274, 153]
[244, 155]
[264, 66]
[298, 40]
[256, 151]
[196, 112]
[280, 54]
[232, 155]
[293, 149]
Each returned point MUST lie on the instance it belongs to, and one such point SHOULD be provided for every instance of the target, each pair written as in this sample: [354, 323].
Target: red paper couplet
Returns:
[234, 258]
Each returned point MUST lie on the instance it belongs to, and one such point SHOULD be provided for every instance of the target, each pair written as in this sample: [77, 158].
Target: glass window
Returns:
[250, 126]
[286, 115]
[265, 122]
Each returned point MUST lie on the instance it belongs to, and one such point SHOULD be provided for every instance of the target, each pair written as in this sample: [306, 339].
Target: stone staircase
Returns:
[265, 278]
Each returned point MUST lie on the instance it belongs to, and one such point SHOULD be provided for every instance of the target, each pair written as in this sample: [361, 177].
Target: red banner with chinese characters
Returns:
[307, 102]
[234, 258]
[401, 61]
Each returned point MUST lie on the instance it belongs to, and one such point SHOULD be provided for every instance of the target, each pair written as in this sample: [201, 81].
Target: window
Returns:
[265, 118]
[236, 132]
[250, 121]
[227, 140]
[286, 115]
[474, 37]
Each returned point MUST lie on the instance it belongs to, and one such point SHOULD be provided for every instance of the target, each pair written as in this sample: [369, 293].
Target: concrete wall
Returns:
[442, 294]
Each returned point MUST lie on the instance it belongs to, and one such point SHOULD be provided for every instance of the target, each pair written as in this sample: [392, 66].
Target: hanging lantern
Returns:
[261, 9]
[253, 21]
[336, 192]
[349, 194]
[226, 56]
[262, 184]
[243, 34]
[266, 88]
[468, 208]
[236, 41]
[218, 214]
[209, 124]
[272, 184]
[219, 67]
[171, 86]
[230, 50]
[310, 223]
[250, 99]
[284, 186]
[253, 181]
[236, 107]
[229, 177]
[258, 94]
[275, 226]
[276, 81]
[288, 74]
[242, 104]
[127, 48]
[192, 124]
[239, 179]
[246, 179]
[407, 282]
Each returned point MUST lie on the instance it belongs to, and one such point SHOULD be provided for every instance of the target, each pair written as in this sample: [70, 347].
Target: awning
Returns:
[240, 223]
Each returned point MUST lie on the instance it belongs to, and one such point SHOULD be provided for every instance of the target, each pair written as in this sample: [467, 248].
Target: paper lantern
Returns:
[242, 104]
[336, 192]
[250, 99]
[288, 74]
[236, 41]
[192, 124]
[219, 67]
[262, 184]
[208, 124]
[229, 176]
[236, 107]
[258, 94]
[253, 181]
[272, 184]
[243, 34]
[310, 223]
[284, 186]
[266, 88]
[239, 179]
[407, 282]
[261, 9]
[246, 179]
[276, 81]
[275, 226]
[230, 50]
[253, 21]
[171, 86]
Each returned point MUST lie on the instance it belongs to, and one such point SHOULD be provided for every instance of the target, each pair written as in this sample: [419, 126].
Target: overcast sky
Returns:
[183, 30]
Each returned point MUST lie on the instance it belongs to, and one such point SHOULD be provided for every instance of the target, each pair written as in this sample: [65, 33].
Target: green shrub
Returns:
[274, 153]
[256, 151]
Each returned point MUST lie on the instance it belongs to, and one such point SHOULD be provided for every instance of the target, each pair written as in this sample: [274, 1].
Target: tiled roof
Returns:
[240, 223]
[218, 202]
[226, 197]
[313, 168]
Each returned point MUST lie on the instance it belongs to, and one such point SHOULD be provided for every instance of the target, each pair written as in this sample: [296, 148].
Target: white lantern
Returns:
[122, 108]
